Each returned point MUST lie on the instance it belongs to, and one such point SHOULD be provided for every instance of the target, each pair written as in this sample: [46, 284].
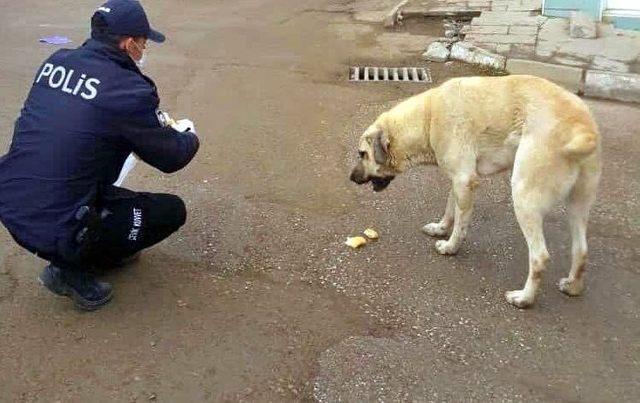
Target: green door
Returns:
[563, 8]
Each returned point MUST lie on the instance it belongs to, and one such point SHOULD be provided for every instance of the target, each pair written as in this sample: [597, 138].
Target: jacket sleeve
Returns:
[139, 129]
[161, 147]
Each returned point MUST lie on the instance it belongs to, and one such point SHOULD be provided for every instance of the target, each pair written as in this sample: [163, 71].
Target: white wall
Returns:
[623, 6]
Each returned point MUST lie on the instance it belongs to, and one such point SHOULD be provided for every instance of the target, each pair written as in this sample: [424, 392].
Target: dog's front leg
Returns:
[443, 227]
[463, 188]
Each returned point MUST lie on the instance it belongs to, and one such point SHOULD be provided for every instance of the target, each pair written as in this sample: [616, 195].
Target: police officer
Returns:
[87, 110]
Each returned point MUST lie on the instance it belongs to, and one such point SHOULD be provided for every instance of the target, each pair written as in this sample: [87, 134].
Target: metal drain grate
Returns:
[401, 74]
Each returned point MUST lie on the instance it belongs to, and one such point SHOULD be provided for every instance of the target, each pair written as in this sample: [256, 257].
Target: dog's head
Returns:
[375, 161]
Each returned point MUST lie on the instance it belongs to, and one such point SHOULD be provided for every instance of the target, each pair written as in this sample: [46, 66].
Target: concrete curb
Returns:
[470, 53]
[592, 83]
[609, 85]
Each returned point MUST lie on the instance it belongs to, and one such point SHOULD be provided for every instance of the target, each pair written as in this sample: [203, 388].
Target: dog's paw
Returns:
[519, 298]
[435, 229]
[571, 288]
[445, 247]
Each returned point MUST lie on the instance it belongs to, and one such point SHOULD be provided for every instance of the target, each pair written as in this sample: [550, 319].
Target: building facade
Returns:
[622, 13]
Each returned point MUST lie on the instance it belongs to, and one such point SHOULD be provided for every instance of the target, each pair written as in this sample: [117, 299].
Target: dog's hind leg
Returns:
[530, 221]
[579, 201]
[443, 227]
[463, 187]
[534, 194]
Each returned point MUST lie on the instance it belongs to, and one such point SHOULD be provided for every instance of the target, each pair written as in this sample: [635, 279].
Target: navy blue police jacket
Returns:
[87, 110]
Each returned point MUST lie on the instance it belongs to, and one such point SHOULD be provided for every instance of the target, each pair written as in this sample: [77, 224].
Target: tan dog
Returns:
[483, 125]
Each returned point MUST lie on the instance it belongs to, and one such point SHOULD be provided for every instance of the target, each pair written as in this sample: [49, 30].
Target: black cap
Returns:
[127, 17]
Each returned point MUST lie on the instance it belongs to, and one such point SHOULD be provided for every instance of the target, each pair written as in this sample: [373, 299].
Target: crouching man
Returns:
[87, 110]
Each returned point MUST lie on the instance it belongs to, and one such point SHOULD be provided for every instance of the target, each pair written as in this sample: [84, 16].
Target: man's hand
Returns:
[184, 125]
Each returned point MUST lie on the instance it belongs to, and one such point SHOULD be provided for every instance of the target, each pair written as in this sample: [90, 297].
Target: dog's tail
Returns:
[584, 141]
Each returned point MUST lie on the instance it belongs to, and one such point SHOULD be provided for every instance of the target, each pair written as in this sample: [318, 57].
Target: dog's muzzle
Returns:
[380, 184]
[357, 177]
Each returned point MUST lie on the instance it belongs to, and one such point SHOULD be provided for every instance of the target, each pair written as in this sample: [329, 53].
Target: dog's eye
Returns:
[362, 154]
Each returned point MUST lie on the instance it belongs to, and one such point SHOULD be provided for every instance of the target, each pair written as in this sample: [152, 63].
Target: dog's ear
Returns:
[381, 147]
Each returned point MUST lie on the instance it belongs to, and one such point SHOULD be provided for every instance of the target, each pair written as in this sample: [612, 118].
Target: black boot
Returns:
[86, 292]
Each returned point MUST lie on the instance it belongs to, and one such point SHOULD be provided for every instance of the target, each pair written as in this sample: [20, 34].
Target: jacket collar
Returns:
[117, 56]
[113, 53]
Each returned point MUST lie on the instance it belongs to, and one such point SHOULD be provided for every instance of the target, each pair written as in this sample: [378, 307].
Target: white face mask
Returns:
[143, 60]
[140, 63]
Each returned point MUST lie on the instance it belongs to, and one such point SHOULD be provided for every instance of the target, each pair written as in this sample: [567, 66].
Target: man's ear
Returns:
[381, 147]
[122, 43]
